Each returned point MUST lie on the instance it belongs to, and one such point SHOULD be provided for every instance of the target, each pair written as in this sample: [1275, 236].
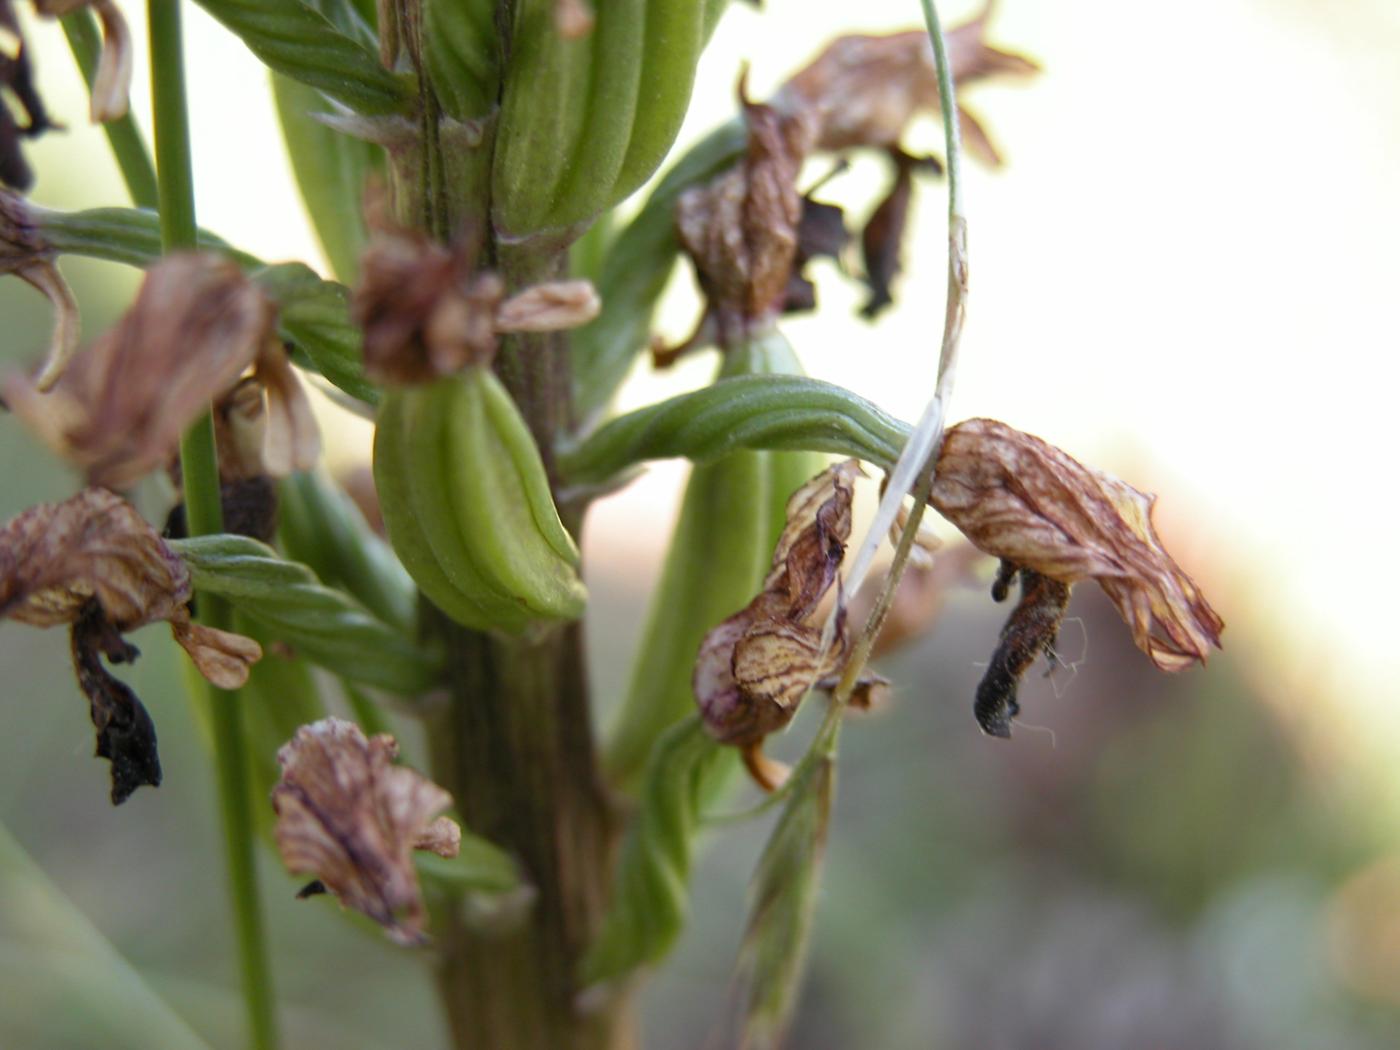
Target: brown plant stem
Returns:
[515, 747]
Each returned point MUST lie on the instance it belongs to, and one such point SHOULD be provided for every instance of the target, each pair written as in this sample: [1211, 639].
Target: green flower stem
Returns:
[128, 147]
[200, 469]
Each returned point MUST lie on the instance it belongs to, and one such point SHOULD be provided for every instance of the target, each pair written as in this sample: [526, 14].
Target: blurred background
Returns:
[1186, 274]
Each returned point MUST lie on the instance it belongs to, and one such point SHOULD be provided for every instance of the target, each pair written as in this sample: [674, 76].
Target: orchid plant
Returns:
[463, 163]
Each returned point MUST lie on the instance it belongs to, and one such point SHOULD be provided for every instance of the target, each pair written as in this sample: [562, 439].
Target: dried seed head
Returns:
[94, 563]
[25, 253]
[740, 229]
[1020, 499]
[424, 309]
[351, 818]
[111, 86]
[120, 409]
[865, 90]
[754, 668]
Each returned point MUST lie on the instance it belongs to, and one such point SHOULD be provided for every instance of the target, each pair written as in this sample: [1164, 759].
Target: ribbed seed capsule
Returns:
[468, 507]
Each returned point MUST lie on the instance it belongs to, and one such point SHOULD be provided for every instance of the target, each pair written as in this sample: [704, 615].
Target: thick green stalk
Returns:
[200, 470]
[129, 149]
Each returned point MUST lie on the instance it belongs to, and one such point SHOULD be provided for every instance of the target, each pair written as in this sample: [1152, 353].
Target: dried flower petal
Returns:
[753, 669]
[740, 229]
[882, 240]
[120, 408]
[93, 562]
[424, 309]
[111, 85]
[549, 307]
[820, 231]
[1018, 498]
[25, 253]
[348, 816]
[293, 440]
[865, 90]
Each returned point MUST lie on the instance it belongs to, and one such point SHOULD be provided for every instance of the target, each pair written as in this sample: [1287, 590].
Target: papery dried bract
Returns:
[122, 405]
[753, 669]
[1018, 498]
[351, 818]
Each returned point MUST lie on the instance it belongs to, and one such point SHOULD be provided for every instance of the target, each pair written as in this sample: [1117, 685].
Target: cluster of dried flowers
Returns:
[1052, 521]
[750, 232]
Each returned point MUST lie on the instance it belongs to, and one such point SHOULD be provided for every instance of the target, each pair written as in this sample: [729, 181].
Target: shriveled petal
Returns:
[349, 817]
[55, 557]
[754, 669]
[27, 254]
[1020, 499]
[111, 86]
[549, 307]
[222, 657]
[196, 325]
[292, 440]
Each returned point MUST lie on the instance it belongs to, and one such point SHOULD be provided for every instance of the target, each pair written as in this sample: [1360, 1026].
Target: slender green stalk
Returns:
[200, 470]
[128, 147]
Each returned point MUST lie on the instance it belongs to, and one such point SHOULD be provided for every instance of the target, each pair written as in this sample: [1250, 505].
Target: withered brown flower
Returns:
[754, 668]
[197, 324]
[111, 84]
[25, 253]
[351, 818]
[865, 90]
[1025, 501]
[740, 229]
[427, 311]
[92, 562]
[882, 240]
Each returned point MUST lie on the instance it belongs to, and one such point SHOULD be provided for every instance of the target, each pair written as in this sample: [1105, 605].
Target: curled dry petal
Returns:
[93, 563]
[1030, 631]
[350, 818]
[292, 440]
[549, 307]
[865, 90]
[754, 668]
[424, 309]
[120, 408]
[740, 229]
[111, 85]
[1020, 499]
[25, 253]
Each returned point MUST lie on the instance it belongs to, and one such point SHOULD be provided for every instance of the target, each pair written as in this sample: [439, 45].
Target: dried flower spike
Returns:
[93, 563]
[1024, 501]
[351, 818]
[754, 668]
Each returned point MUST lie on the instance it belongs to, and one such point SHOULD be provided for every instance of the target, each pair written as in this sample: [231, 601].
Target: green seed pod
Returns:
[586, 119]
[463, 462]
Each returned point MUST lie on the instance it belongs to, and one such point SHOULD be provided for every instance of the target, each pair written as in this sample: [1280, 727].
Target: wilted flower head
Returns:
[197, 324]
[1026, 502]
[92, 562]
[866, 90]
[351, 818]
[754, 668]
[25, 253]
[111, 85]
[427, 311]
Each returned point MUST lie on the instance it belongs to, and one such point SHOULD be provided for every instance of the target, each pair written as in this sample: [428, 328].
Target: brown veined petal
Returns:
[350, 818]
[197, 323]
[1025, 501]
[222, 657]
[549, 307]
[292, 440]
